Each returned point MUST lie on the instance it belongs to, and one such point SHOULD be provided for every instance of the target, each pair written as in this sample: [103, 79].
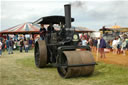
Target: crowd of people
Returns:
[119, 45]
[93, 44]
[10, 45]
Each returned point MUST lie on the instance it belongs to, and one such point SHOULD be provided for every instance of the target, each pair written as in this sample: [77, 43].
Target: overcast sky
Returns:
[87, 13]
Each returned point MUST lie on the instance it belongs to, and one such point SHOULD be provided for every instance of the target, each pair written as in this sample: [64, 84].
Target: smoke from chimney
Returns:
[78, 4]
[79, 7]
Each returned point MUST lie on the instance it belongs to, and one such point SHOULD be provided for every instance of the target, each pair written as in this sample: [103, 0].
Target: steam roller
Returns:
[60, 47]
[75, 63]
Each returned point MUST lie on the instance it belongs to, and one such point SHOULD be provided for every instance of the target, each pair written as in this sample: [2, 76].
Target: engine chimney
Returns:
[68, 15]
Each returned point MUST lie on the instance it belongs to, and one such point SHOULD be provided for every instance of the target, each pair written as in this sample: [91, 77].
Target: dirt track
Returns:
[111, 58]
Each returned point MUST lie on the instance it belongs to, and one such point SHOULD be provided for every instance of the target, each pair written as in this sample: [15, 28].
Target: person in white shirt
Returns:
[84, 41]
[114, 45]
[123, 46]
[0, 47]
[98, 43]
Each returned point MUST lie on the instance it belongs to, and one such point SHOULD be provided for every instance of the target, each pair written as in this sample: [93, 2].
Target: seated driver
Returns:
[50, 28]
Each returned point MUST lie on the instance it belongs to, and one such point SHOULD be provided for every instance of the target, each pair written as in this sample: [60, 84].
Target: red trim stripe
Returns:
[14, 28]
[34, 28]
[20, 28]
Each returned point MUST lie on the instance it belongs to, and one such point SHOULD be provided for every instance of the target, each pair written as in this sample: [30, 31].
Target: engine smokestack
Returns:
[67, 15]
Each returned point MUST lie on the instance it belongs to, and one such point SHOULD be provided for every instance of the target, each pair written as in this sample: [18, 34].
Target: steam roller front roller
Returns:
[40, 54]
[75, 63]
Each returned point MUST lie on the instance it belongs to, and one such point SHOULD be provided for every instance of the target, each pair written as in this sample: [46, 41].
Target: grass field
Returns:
[19, 69]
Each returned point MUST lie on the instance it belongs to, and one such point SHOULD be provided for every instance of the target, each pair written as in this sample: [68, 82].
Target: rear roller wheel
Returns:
[75, 58]
[40, 53]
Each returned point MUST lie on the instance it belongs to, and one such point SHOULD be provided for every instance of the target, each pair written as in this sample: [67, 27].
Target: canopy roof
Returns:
[115, 27]
[119, 28]
[57, 20]
[52, 20]
[22, 28]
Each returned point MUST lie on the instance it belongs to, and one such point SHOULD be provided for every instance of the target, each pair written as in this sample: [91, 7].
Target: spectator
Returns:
[119, 42]
[98, 44]
[18, 45]
[21, 45]
[126, 43]
[0, 47]
[30, 44]
[81, 35]
[3, 45]
[14, 46]
[108, 45]
[123, 46]
[84, 41]
[114, 45]
[10, 50]
[102, 46]
[26, 45]
[90, 43]
[95, 44]
[7, 45]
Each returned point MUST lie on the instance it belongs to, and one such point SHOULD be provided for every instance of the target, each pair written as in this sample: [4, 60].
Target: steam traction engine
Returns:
[59, 48]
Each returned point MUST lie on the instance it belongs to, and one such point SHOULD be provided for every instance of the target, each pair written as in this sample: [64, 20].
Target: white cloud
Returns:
[25, 11]
[98, 14]
[91, 14]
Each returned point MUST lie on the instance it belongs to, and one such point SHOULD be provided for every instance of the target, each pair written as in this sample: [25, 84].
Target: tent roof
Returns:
[83, 29]
[22, 28]
[28, 27]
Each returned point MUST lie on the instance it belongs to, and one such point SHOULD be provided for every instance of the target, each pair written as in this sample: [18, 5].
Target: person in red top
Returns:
[82, 35]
